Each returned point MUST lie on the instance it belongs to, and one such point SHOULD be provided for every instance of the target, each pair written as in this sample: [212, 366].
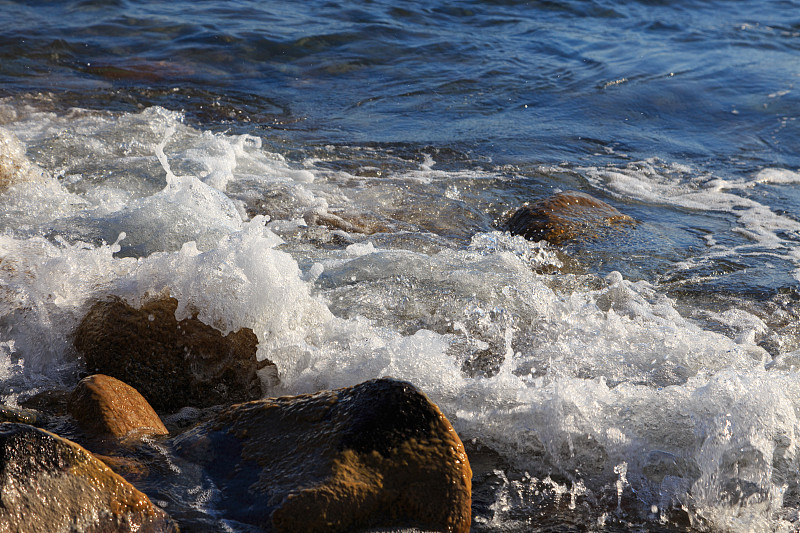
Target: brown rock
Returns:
[172, 364]
[564, 216]
[48, 484]
[106, 406]
[139, 69]
[375, 455]
[345, 222]
[334, 222]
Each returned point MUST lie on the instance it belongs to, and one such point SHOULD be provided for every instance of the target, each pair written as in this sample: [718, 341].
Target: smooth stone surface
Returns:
[378, 454]
[172, 364]
[106, 406]
[49, 484]
[564, 216]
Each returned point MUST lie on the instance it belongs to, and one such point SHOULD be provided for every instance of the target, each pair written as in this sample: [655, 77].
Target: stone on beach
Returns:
[48, 483]
[564, 216]
[378, 454]
[108, 407]
[171, 363]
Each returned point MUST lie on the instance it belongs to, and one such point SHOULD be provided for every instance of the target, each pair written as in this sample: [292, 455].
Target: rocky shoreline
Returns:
[375, 455]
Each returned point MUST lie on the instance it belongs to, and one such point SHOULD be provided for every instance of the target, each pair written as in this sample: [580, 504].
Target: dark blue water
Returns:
[711, 82]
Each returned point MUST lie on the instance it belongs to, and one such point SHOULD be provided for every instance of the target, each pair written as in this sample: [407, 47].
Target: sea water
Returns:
[333, 175]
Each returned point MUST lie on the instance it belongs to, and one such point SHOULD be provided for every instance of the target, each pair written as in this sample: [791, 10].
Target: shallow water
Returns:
[333, 175]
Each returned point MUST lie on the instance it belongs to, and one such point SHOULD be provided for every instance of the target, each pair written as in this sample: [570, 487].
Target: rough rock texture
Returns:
[172, 364]
[51, 484]
[378, 454]
[108, 407]
[564, 216]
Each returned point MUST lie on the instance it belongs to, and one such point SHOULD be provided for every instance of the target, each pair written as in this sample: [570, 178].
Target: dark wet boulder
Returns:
[376, 455]
[107, 407]
[48, 402]
[48, 484]
[564, 216]
[171, 363]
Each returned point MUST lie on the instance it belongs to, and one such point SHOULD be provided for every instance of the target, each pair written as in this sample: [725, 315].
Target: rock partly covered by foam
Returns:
[14, 166]
[378, 454]
[48, 484]
[171, 363]
[106, 406]
[564, 216]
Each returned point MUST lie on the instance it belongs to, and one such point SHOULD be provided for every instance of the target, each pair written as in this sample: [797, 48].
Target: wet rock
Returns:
[375, 455]
[484, 363]
[51, 402]
[564, 216]
[48, 483]
[345, 222]
[171, 363]
[130, 468]
[106, 406]
[21, 415]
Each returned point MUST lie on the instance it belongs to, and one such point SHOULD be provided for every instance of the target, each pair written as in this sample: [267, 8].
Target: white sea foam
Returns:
[600, 382]
[656, 183]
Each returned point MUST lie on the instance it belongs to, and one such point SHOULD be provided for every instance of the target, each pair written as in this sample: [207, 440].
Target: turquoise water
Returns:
[333, 175]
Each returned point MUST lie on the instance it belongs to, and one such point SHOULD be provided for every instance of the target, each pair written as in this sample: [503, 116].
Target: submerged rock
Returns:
[378, 454]
[171, 363]
[564, 216]
[48, 483]
[21, 415]
[48, 402]
[346, 222]
[108, 407]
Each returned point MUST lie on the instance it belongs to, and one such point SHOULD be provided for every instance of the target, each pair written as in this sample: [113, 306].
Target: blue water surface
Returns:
[709, 82]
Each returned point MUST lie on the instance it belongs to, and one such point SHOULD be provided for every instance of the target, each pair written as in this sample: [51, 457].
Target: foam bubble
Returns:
[42, 297]
[777, 175]
[28, 194]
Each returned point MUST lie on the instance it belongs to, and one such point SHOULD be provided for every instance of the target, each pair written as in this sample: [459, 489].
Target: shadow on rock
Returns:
[565, 216]
[50, 484]
[171, 363]
[378, 454]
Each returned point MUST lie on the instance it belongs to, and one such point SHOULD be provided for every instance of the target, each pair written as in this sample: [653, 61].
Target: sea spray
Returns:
[564, 373]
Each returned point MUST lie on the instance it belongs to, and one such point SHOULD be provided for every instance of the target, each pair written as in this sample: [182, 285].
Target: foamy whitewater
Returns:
[584, 399]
